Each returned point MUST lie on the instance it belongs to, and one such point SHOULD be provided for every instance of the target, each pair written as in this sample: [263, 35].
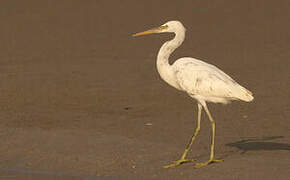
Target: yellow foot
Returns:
[178, 162]
[198, 165]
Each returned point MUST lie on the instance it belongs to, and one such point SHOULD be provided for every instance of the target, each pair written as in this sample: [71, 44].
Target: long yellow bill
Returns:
[151, 31]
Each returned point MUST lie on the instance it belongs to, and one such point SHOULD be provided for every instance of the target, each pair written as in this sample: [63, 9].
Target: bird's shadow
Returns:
[259, 143]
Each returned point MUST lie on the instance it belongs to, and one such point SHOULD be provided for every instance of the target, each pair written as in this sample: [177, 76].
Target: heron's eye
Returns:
[163, 27]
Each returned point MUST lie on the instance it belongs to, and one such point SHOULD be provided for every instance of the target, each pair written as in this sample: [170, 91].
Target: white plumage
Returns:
[200, 80]
[206, 82]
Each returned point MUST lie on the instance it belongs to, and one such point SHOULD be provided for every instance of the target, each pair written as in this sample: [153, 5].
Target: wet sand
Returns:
[82, 99]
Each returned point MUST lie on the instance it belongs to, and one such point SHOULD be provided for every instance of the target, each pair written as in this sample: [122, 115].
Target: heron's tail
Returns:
[245, 95]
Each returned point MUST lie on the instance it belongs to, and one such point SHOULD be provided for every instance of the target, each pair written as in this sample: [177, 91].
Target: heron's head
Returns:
[170, 26]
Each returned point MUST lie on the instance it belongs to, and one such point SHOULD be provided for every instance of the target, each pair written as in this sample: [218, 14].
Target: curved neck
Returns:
[168, 47]
[163, 66]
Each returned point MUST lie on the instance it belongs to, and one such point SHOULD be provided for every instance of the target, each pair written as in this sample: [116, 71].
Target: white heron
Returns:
[200, 80]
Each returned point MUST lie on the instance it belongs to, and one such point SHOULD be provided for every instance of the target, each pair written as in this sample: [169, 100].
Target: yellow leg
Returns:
[211, 159]
[183, 159]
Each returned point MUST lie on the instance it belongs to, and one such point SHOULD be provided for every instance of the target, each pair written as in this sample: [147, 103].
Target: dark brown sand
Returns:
[81, 99]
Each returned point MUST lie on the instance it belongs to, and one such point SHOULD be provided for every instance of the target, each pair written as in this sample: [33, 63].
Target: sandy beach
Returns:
[81, 99]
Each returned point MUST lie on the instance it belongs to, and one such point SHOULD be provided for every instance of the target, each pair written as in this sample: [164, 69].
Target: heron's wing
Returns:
[197, 77]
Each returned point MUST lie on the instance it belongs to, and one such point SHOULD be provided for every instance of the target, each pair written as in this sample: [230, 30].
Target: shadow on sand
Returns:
[256, 143]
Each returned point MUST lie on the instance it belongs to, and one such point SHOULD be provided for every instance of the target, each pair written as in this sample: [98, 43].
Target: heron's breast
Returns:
[169, 77]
